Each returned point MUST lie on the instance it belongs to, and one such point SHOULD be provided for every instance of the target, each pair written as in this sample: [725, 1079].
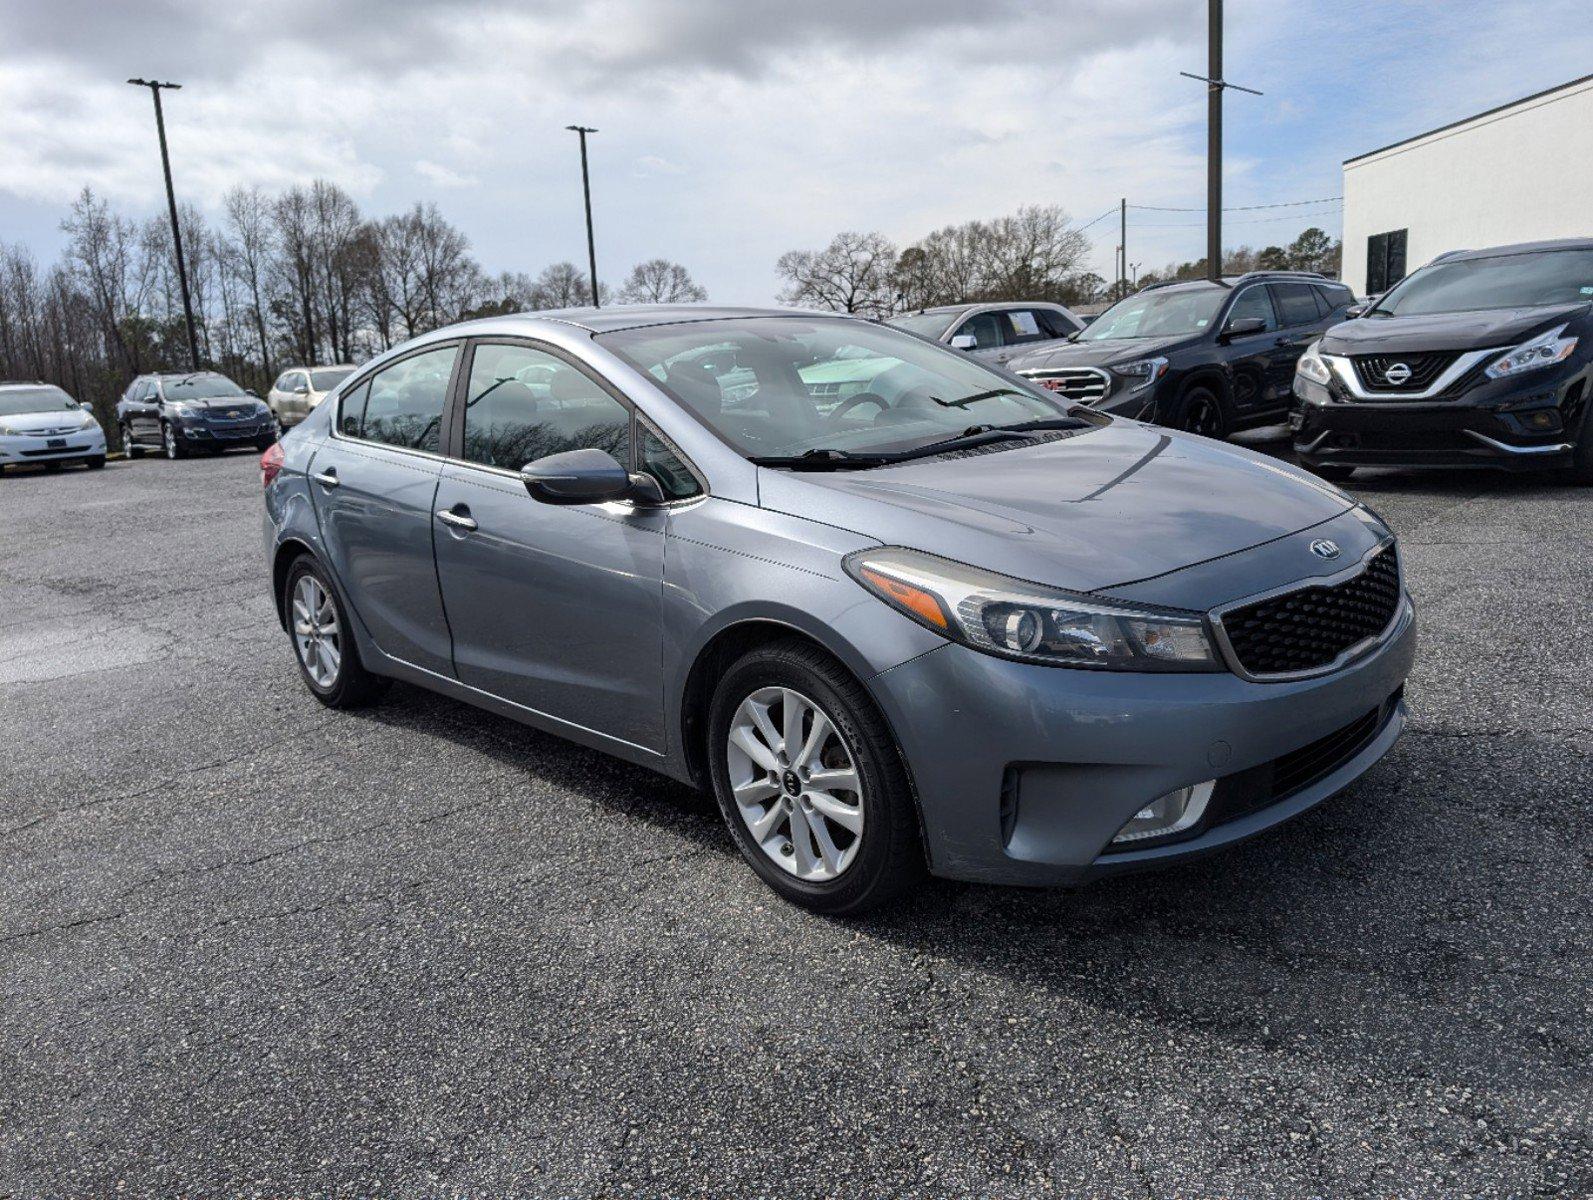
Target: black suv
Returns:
[1481, 358]
[197, 410]
[1204, 355]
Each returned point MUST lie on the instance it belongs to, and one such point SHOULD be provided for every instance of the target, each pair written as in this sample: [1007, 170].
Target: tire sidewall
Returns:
[881, 781]
[1201, 391]
[308, 566]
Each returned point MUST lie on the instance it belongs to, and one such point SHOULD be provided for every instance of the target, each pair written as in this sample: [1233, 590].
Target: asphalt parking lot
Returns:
[251, 946]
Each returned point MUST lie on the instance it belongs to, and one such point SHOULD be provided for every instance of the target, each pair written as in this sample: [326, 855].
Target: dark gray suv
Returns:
[179, 413]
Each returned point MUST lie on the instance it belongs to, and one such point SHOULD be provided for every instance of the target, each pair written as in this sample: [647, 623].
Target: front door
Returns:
[554, 608]
[1251, 355]
[144, 412]
[1300, 323]
[375, 489]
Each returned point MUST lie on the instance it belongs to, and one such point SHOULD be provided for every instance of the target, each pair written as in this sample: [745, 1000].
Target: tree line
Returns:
[301, 277]
[1313, 250]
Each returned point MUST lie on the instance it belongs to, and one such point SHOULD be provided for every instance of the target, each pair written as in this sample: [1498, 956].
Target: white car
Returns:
[299, 389]
[39, 423]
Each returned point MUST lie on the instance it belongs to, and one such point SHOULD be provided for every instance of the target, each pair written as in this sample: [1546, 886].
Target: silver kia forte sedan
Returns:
[901, 611]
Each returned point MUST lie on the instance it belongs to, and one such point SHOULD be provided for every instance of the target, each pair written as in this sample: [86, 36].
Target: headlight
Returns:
[1028, 621]
[8, 430]
[1142, 372]
[1311, 365]
[88, 420]
[1542, 351]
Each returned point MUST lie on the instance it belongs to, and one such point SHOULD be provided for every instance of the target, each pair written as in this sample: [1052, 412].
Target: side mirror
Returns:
[1357, 310]
[964, 341]
[586, 477]
[301, 389]
[1242, 327]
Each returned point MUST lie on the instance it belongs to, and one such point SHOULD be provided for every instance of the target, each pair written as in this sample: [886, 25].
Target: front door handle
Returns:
[327, 478]
[458, 519]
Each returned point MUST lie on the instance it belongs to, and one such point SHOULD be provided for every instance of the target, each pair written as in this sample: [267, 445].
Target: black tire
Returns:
[176, 445]
[889, 857]
[353, 686]
[129, 447]
[1332, 472]
[53, 466]
[1580, 472]
[1200, 410]
[94, 462]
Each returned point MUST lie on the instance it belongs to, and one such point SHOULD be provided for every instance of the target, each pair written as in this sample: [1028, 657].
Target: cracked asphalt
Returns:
[252, 947]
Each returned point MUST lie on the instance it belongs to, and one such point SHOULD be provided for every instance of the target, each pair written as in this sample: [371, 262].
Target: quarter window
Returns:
[403, 405]
[657, 458]
[522, 404]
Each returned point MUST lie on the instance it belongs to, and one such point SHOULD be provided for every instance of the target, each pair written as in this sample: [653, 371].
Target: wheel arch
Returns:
[1215, 380]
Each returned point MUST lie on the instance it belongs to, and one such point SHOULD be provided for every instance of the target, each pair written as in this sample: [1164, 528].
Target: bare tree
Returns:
[853, 274]
[659, 281]
[250, 250]
[105, 256]
[564, 285]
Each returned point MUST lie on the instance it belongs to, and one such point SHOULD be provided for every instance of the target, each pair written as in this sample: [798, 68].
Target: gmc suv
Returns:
[1203, 355]
[1480, 359]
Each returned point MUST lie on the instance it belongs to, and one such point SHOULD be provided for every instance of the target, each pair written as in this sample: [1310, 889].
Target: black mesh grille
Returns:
[1373, 369]
[1310, 627]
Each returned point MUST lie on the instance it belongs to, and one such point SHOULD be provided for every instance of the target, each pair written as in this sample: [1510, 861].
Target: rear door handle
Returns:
[327, 478]
[459, 517]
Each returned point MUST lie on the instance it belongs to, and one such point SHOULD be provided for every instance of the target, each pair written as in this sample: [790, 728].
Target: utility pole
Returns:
[155, 87]
[1215, 85]
[586, 187]
[1122, 247]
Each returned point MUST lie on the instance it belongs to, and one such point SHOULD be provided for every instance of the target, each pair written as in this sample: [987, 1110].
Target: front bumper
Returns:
[1025, 773]
[216, 434]
[1525, 424]
[29, 448]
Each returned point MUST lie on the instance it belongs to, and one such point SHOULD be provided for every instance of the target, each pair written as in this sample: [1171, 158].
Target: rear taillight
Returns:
[270, 464]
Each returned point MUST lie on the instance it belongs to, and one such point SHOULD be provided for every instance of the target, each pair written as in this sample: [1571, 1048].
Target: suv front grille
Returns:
[1080, 384]
[1309, 628]
[1372, 370]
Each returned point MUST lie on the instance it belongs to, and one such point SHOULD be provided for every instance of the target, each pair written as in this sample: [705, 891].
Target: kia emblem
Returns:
[1398, 374]
[1323, 548]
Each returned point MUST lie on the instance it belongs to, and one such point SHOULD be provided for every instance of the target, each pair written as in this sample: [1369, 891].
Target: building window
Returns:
[1385, 261]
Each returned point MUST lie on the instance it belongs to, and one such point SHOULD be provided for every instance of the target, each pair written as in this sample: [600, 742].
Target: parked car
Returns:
[299, 389]
[947, 623]
[1479, 359]
[39, 423]
[998, 332]
[1209, 357]
[179, 413]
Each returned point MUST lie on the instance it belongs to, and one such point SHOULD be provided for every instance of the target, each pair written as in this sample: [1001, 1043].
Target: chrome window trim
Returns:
[1345, 657]
[1341, 366]
[354, 383]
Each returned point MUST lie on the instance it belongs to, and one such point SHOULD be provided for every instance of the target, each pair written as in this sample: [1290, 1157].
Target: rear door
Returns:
[555, 608]
[375, 482]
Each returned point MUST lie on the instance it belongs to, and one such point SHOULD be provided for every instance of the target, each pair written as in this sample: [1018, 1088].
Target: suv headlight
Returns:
[1142, 372]
[1542, 351]
[1028, 621]
[1311, 365]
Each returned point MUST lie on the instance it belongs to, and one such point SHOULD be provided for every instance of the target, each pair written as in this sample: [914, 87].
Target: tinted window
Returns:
[1296, 303]
[1058, 324]
[1338, 297]
[1498, 281]
[1253, 302]
[522, 404]
[1025, 327]
[405, 403]
[658, 459]
[324, 379]
[985, 330]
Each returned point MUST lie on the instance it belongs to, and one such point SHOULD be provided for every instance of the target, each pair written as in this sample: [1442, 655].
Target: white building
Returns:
[1517, 173]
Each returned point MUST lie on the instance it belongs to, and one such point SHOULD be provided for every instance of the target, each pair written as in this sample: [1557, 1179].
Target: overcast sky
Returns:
[732, 130]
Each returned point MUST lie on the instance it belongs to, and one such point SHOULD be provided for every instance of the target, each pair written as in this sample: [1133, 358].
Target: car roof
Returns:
[623, 316]
[29, 383]
[1543, 247]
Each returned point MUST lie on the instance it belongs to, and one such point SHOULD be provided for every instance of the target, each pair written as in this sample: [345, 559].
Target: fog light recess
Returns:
[1166, 815]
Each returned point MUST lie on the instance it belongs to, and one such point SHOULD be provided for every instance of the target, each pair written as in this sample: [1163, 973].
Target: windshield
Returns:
[1176, 312]
[324, 379]
[42, 399]
[197, 387]
[929, 325]
[784, 386]
[1499, 281]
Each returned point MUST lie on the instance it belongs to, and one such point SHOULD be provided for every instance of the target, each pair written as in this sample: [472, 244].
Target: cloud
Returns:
[653, 164]
[444, 177]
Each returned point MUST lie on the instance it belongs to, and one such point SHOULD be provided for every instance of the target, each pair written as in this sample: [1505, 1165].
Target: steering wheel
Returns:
[856, 401]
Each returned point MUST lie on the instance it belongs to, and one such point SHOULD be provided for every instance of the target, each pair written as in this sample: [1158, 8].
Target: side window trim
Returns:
[346, 391]
[1241, 293]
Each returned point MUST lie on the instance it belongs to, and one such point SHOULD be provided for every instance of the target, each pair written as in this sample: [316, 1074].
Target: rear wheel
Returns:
[1200, 411]
[328, 659]
[810, 781]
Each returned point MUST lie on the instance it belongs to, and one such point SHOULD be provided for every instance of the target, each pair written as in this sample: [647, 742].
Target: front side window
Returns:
[16, 401]
[522, 404]
[784, 386]
[403, 404]
[199, 387]
[1497, 281]
[1025, 327]
[1253, 302]
[1175, 312]
[984, 328]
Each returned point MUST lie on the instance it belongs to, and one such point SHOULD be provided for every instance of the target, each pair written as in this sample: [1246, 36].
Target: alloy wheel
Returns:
[795, 783]
[171, 441]
[1201, 416]
[316, 634]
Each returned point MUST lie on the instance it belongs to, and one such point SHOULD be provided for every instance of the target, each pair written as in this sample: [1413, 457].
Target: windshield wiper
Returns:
[821, 458]
[829, 459]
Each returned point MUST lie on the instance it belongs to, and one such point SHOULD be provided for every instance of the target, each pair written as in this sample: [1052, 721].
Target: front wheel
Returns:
[328, 659]
[810, 781]
[1199, 410]
[131, 448]
[95, 462]
[176, 446]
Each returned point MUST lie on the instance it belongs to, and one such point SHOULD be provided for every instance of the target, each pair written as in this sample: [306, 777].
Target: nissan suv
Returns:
[196, 410]
[1480, 359]
[1208, 356]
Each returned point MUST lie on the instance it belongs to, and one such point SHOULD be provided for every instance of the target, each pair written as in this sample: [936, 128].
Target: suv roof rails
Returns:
[1235, 280]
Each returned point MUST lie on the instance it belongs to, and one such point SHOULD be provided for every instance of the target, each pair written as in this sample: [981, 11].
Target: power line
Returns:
[1240, 208]
[1102, 217]
[1241, 221]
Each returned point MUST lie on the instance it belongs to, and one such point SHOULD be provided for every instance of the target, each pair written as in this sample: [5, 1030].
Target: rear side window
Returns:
[1296, 304]
[522, 404]
[1024, 326]
[403, 405]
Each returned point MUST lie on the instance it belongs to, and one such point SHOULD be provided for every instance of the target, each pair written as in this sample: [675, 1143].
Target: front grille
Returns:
[1080, 384]
[1310, 627]
[1372, 370]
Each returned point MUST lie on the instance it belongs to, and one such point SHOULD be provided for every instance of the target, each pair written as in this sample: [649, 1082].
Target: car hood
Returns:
[1094, 354]
[1480, 330]
[1106, 507]
[247, 402]
[59, 419]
